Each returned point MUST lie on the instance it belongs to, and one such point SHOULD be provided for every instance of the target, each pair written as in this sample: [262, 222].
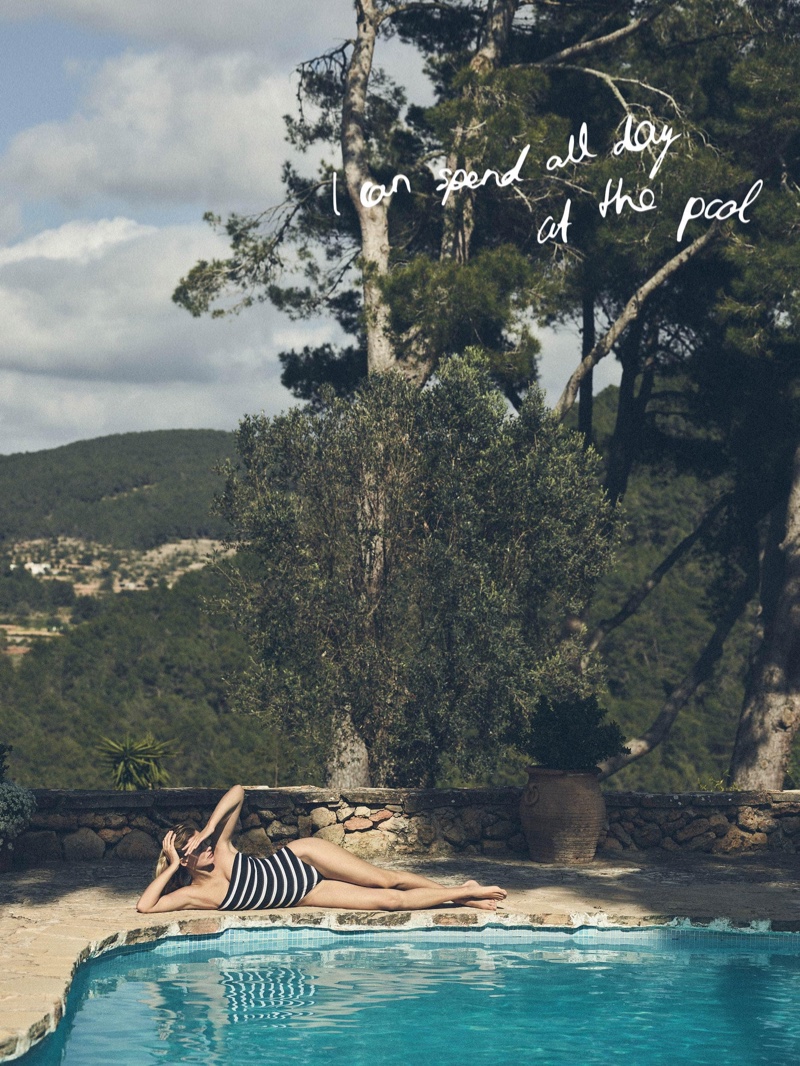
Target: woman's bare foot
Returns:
[486, 892]
[485, 898]
[479, 904]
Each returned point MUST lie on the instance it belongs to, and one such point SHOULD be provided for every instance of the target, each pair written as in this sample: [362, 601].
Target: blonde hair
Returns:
[182, 877]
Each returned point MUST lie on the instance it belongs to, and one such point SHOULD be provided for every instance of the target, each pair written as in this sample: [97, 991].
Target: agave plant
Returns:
[136, 764]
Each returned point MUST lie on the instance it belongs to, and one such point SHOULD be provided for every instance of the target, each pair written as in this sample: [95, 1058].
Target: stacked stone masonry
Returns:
[713, 822]
[380, 823]
[374, 823]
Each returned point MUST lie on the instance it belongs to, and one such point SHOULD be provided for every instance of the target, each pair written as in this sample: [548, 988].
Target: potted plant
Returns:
[562, 808]
[17, 804]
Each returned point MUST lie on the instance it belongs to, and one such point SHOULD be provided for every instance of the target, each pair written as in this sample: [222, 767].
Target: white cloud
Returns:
[92, 344]
[100, 309]
[270, 27]
[10, 220]
[164, 128]
[58, 411]
[78, 240]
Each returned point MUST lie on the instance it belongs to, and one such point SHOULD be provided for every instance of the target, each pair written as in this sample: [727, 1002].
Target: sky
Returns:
[120, 125]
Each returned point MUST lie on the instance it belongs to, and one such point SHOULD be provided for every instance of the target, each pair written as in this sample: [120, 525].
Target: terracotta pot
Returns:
[562, 815]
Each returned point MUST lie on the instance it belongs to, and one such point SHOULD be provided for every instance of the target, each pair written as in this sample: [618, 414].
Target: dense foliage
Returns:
[153, 662]
[414, 557]
[132, 490]
[572, 735]
[5, 750]
[156, 661]
[17, 804]
[21, 592]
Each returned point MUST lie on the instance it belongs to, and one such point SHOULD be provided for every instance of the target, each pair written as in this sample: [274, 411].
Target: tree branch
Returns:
[631, 311]
[681, 695]
[583, 48]
[611, 81]
[653, 89]
[639, 595]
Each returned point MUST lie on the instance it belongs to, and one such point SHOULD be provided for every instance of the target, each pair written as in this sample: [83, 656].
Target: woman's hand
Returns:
[169, 849]
[196, 839]
[221, 823]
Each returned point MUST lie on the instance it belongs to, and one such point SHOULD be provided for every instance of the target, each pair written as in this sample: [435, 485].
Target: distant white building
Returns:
[37, 569]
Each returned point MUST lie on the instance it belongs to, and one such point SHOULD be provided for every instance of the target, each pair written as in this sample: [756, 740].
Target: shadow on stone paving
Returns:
[47, 884]
[744, 888]
[763, 885]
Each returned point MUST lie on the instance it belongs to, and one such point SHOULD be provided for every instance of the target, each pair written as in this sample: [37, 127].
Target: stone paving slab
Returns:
[52, 919]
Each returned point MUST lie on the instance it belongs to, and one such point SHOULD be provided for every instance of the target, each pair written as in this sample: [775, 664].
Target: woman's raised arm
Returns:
[151, 898]
[226, 813]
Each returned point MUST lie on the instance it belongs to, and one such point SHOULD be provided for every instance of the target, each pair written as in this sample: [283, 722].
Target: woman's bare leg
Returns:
[338, 865]
[360, 898]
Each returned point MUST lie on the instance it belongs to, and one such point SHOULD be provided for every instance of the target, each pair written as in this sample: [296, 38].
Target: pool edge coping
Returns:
[15, 1043]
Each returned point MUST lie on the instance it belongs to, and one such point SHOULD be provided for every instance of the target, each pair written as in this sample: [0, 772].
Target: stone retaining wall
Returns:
[379, 823]
[717, 822]
[374, 823]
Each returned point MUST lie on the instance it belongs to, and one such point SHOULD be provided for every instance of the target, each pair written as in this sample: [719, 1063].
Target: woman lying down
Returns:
[201, 869]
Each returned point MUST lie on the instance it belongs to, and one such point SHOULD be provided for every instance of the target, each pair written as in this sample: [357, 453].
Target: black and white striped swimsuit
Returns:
[279, 881]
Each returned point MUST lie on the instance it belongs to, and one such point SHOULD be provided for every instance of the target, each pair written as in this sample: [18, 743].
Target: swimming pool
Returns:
[662, 997]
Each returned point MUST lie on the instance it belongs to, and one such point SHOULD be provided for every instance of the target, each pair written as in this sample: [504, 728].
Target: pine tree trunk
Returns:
[586, 390]
[348, 762]
[771, 712]
[631, 408]
[373, 221]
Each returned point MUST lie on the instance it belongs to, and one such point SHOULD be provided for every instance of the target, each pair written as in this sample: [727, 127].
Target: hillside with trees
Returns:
[649, 654]
[130, 490]
[153, 661]
[163, 660]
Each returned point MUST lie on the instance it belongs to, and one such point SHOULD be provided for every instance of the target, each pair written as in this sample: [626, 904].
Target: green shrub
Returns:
[571, 735]
[17, 804]
[4, 750]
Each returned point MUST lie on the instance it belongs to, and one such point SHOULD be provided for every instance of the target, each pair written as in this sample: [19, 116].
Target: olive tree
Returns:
[406, 561]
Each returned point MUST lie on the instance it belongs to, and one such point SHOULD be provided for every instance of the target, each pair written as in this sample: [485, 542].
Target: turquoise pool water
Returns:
[449, 998]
